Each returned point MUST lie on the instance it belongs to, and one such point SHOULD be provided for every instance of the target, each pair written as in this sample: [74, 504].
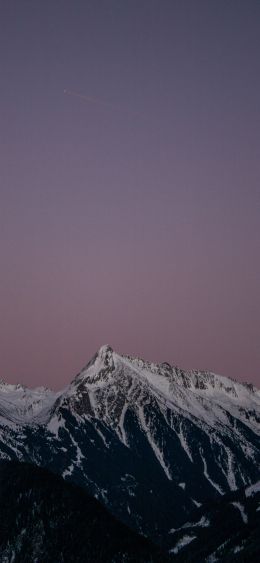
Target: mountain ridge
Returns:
[106, 349]
[151, 441]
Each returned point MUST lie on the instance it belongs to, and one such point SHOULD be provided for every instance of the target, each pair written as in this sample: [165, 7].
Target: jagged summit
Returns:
[104, 350]
[105, 355]
[106, 366]
[4, 385]
[98, 368]
[111, 386]
[190, 390]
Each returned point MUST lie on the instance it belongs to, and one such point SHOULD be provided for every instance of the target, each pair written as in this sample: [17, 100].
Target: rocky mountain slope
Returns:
[150, 441]
[224, 530]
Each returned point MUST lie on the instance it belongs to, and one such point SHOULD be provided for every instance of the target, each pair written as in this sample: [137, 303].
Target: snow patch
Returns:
[121, 425]
[156, 450]
[253, 489]
[241, 509]
[205, 471]
[68, 471]
[185, 540]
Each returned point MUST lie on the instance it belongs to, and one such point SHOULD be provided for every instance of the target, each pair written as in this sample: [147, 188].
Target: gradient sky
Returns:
[134, 220]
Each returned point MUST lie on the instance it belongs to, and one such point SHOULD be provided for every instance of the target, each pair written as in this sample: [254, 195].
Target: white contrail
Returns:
[99, 102]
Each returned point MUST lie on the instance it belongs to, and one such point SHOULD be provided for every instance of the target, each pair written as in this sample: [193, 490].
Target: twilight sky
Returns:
[132, 219]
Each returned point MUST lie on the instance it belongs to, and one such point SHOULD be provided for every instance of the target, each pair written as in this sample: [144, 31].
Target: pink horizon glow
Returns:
[139, 228]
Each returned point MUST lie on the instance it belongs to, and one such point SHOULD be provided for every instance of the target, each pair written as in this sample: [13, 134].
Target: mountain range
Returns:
[151, 442]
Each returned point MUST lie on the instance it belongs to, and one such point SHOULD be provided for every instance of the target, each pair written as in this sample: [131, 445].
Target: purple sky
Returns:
[133, 222]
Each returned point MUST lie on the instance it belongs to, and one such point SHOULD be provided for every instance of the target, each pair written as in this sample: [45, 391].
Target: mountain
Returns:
[224, 530]
[45, 519]
[151, 442]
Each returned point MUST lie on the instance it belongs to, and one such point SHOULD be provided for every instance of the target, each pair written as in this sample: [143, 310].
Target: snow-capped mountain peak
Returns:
[21, 405]
[201, 395]
[98, 368]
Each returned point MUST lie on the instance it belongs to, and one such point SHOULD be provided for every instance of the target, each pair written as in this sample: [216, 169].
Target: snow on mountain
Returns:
[20, 405]
[224, 530]
[150, 441]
